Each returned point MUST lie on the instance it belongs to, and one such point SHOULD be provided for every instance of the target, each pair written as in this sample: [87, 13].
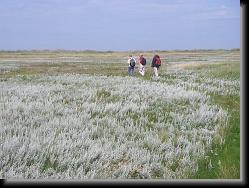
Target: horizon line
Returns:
[91, 50]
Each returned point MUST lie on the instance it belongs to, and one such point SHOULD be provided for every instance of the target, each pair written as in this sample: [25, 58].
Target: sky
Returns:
[119, 25]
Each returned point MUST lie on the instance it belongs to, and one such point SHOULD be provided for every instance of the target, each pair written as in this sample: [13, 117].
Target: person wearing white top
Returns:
[142, 63]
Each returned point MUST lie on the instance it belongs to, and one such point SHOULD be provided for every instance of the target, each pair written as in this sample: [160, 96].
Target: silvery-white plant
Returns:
[84, 127]
[199, 81]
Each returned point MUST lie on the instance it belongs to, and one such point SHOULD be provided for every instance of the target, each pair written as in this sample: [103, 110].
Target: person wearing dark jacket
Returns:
[156, 63]
[131, 65]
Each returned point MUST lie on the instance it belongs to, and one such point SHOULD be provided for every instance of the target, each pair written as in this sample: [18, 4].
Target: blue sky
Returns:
[119, 24]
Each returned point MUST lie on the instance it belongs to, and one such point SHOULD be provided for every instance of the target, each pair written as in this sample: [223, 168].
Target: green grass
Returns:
[228, 70]
[225, 159]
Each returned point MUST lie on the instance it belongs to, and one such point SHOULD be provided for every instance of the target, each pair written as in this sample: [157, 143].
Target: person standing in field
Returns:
[142, 63]
[132, 62]
[156, 63]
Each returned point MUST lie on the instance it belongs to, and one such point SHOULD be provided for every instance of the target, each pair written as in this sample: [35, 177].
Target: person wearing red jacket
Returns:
[156, 63]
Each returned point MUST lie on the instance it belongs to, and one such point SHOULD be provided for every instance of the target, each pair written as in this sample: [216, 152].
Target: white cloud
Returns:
[207, 13]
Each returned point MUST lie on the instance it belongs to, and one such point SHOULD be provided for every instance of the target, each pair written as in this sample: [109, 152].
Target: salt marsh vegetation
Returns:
[64, 117]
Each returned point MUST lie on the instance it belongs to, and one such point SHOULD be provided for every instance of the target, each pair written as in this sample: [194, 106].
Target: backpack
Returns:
[143, 61]
[132, 62]
[157, 61]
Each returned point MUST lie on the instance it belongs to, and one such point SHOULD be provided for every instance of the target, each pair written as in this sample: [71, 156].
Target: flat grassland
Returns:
[78, 115]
